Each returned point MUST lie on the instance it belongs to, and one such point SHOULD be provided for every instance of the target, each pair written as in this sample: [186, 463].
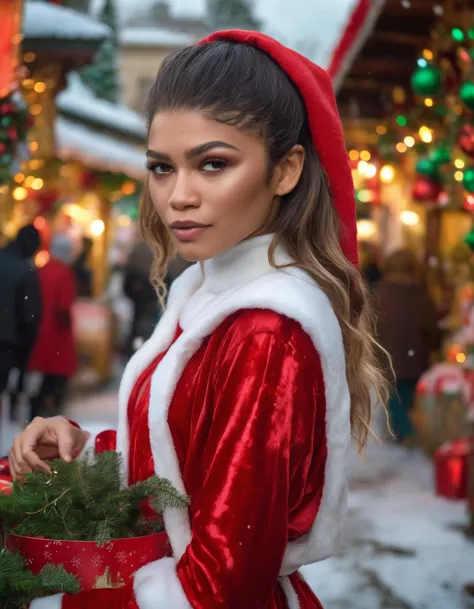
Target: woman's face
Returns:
[209, 183]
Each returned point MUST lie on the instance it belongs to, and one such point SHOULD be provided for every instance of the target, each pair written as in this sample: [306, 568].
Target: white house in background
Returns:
[145, 42]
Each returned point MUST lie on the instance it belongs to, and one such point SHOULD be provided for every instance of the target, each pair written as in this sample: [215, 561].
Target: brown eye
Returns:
[213, 165]
[160, 169]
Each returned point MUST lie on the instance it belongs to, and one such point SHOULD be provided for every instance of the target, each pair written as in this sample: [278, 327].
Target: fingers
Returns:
[22, 454]
[69, 440]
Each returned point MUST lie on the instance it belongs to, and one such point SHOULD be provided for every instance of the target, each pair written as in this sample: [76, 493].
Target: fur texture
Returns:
[49, 602]
[200, 307]
[157, 586]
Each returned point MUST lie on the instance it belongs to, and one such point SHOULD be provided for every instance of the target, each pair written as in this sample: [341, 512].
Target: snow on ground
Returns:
[404, 548]
[155, 36]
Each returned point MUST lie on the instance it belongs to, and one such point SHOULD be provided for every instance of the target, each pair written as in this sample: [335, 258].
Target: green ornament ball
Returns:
[469, 240]
[466, 94]
[428, 167]
[468, 181]
[441, 156]
[426, 81]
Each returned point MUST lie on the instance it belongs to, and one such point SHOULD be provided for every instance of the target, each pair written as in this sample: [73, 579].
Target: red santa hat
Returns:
[317, 92]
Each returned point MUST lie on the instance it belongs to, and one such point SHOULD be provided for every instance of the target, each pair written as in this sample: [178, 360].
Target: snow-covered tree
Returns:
[102, 75]
[232, 13]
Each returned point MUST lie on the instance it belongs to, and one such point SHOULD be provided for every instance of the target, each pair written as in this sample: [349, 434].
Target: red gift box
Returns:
[112, 565]
[451, 469]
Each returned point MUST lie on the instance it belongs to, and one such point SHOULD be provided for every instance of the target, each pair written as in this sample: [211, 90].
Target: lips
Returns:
[188, 230]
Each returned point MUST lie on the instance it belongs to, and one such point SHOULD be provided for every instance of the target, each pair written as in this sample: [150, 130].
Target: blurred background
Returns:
[74, 77]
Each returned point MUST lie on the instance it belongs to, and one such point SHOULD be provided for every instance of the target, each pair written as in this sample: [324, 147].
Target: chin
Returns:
[193, 252]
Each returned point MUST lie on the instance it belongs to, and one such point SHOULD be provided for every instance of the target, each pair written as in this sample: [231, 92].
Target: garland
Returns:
[14, 124]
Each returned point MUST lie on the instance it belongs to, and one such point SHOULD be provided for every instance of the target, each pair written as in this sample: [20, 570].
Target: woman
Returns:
[54, 353]
[408, 330]
[243, 397]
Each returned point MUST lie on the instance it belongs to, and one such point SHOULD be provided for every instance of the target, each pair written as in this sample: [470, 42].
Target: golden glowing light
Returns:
[409, 141]
[426, 134]
[29, 181]
[459, 163]
[365, 155]
[29, 57]
[371, 170]
[42, 258]
[428, 55]
[97, 228]
[20, 193]
[36, 163]
[428, 102]
[19, 178]
[362, 167]
[33, 146]
[128, 188]
[40, 87]
[39, 223]
[35, 109]
[409, 218]
[401, 147]
[28, 83]
[461, 358]
[353, 155]
[381, 130]
[366, 229]
[124, 220]
[37, 184]
[458, 176]
[387, 173]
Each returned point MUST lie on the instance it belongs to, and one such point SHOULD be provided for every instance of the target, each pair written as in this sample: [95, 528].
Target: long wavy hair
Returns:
[240, 85]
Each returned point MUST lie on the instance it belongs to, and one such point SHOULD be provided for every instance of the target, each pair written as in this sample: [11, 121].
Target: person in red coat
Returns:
[54, 352]
[261, 366]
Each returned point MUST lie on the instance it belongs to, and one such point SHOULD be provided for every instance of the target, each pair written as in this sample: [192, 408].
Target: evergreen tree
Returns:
[232, 14]
[102, 75]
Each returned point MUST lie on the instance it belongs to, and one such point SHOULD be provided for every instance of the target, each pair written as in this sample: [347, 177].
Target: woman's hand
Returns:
[45, 439]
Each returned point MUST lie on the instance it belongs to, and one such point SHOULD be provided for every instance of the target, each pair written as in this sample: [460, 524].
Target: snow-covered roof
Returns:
[155, 36]
[75, 141]
[44, 20]
[79, 101]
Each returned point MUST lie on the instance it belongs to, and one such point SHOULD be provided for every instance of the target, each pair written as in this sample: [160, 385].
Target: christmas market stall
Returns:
[404, 74]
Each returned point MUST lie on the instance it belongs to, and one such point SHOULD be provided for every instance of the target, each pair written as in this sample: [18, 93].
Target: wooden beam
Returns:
[380, 67]
[399, 38]
[366, 84]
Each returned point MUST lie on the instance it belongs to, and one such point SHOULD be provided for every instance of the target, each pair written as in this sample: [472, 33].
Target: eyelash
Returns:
[153, 166]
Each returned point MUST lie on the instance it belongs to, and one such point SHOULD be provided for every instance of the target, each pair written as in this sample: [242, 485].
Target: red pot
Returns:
[110, 566]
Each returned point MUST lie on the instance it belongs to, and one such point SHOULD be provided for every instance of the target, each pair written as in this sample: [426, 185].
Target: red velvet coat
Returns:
[240, 400]
[54, 351]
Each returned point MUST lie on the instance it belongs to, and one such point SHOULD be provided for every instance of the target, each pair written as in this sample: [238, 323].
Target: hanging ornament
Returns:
[441, 156]
[466, 140]
[3, 147]
[469, 203]
[426, 81]
[428, 167]
[425, 190]
[466, 93]
[469, 240]
[468, 180]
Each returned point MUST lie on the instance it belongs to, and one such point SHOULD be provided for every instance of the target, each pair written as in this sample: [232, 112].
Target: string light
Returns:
[381, 130]
[371, 171]
[409, 141]
[19, 178]
[39, 223]
[128, 188]
[457, 34]
[401, 147]
[40, 87]
[33, 146]
[20, 193]
[29, 181]
[401, 120]
[37, 184]
[28, 83]
[353, 155]
[429, 102]
[365, 229]
[425, 134]
[42, 258]
[365, 155]
[365, 195]
[469, 203]
[428, 54]
[458, 176]
[422, 63]
[362, 167]
[461, 358]
[409, 218]
[97, 228]
[29, 57]
[387, 173]
[459, 163]
[35, 109]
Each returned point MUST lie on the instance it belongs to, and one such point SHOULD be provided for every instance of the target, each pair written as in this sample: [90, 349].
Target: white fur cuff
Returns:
[48, 602]
[157, 586]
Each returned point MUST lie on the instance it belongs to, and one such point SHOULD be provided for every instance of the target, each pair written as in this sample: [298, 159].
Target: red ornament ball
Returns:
[2, 147]
[466, 140]
[425, 191]
[469, 202]
[12, 133]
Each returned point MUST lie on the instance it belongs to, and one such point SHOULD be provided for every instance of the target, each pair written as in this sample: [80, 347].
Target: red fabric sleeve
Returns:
[265, 390]
[66, 292]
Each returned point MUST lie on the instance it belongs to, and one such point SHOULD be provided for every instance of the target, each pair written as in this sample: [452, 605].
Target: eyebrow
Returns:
[193, 152]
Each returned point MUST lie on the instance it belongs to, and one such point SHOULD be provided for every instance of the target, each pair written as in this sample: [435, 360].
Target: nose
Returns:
[184, 195]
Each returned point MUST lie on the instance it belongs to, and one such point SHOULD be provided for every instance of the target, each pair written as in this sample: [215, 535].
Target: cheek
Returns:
[158, 196]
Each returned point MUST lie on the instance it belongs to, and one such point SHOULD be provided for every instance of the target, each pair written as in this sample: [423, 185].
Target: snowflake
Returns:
[96, 561]
[143, 559]
[76, 562]
[57, 542]
[48, 555]
[122, 557]
[29, 562]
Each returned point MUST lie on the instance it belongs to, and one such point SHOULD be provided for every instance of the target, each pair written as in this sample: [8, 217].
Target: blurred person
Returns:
[369, 263]
[407, 325]
[139, 289]
[261, 366]
[82, 270]
[20, 302]
[54, 352]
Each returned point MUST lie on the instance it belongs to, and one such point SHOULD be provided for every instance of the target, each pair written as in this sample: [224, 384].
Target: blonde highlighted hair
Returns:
[307, 225]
